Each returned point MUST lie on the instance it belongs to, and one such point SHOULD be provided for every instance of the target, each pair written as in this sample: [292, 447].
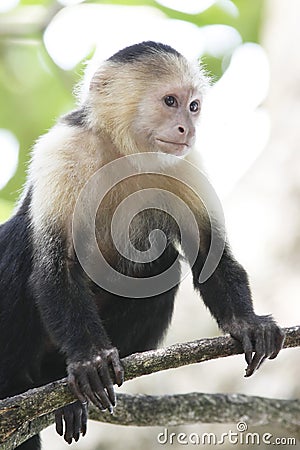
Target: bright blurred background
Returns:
[249, 139]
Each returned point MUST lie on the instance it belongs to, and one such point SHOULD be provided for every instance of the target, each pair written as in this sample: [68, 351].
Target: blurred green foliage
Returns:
[5, 209]
[34, 91]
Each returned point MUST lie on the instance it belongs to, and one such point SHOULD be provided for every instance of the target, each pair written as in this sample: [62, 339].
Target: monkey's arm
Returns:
[71, 319]
[227, 295]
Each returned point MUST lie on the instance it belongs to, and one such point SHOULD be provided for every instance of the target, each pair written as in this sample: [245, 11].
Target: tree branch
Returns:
[20, 416]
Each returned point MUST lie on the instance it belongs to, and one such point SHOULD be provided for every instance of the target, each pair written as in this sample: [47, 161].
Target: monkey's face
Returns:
[166, 120]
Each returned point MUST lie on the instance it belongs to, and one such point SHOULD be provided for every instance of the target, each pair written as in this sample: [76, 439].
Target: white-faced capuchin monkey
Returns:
[55, 319]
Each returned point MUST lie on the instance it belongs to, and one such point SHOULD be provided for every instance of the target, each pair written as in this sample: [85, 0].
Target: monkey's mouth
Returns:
[175, 148]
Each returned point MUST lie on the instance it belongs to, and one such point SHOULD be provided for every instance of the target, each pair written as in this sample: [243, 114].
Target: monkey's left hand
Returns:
[71, 420]
[259, 335]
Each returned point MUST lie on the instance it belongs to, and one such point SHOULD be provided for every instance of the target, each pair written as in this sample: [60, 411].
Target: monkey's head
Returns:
[147, 97]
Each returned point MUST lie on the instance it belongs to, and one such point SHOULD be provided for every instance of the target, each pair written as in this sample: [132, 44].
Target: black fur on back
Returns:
[137, 51]
[20, 332]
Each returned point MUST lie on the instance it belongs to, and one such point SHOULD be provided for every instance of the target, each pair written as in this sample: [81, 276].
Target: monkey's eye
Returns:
[194, 106]
[170, 101]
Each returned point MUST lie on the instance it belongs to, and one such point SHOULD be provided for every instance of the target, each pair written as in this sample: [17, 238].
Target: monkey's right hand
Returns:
[90, 379]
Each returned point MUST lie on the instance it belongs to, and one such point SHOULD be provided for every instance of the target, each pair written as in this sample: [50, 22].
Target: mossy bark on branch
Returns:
[26, 414]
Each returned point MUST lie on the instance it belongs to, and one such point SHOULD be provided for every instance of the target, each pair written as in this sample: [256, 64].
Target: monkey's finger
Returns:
[261, 362]
[255, 363]
[118, 368]
[59, 422]
[84, 418]
[248, 348]
[268, 346]
[69, 424]
[98, 389]
[274, 354]
[75, 389]
[259, 353]
[279, 340]
[269, 343]
[248, 357]
[256, 360]
[108, 384]
[83, 390]
[93, 398]
[77, 423]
